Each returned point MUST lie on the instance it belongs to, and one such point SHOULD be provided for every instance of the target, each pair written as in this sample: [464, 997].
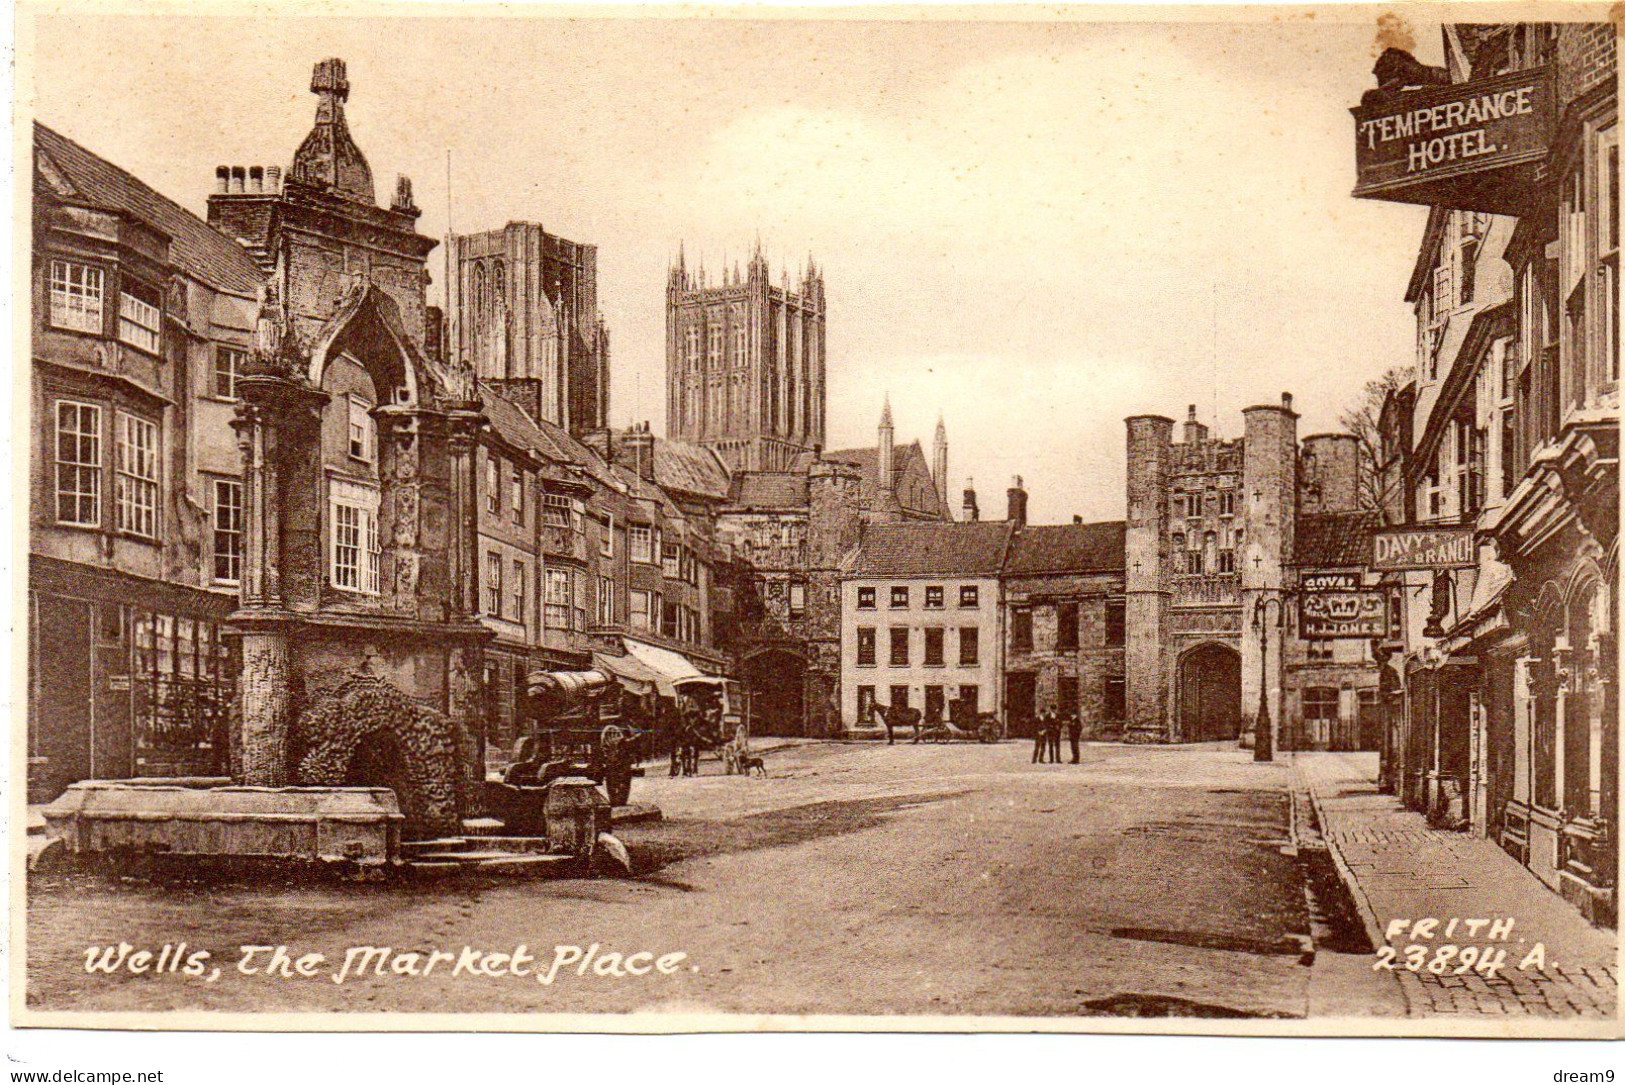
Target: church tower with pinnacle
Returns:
[745, 362]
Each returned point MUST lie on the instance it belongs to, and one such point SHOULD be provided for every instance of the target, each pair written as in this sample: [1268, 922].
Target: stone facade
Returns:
[1212, 575]
[1503, 697]
[523, 311]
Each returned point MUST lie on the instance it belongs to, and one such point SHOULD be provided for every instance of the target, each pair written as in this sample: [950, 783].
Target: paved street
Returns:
[1404, 870]
[859, 879]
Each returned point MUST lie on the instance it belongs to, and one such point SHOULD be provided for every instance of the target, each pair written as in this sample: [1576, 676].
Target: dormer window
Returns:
[76, 296]
[139, 316]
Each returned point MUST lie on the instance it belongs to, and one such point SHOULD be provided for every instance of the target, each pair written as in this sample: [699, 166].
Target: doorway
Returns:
[1210, 694]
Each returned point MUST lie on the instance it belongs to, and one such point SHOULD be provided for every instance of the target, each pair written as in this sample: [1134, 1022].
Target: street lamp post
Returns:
[1264, 732]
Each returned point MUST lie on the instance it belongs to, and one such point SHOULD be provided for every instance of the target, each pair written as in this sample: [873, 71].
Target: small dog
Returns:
[750, 763]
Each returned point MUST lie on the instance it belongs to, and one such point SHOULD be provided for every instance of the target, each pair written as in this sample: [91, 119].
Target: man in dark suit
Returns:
[1074, 732]
[1040, 739]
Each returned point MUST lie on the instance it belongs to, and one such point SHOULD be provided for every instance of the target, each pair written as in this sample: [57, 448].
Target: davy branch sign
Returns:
[1408, 548]
[1408, 145]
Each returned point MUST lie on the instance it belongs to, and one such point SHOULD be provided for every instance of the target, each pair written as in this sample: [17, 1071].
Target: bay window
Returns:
[76, 296]
[140, 318]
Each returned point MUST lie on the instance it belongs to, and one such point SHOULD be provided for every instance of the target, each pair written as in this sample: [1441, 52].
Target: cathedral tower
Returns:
[745, 362]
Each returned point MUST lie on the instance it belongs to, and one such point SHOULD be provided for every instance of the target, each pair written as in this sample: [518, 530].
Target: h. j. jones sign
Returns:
[1401, 549]
[1434, 145]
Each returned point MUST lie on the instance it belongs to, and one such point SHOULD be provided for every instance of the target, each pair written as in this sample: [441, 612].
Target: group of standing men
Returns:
[1047, 727]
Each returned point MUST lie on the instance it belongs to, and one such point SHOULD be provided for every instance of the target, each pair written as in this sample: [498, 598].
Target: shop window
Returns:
[78, 463]
[76, 296]
[1319, 713]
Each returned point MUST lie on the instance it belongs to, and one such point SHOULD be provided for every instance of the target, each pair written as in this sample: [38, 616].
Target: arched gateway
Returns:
[1210, 693]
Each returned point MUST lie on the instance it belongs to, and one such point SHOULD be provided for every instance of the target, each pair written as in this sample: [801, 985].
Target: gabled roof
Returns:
[945, 549]
[1067, 548]
[196, 248]
[903, 457]
[1331, 540]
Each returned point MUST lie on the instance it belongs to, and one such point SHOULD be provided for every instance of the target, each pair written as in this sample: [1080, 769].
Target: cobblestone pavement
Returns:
[854, 879]
[1403, 870]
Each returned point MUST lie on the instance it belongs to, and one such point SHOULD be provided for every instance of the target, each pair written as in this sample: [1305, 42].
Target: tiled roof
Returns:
[195, 247]
[1334, 539]
[770, 490]
[690, 468]
[933, 549]
[1066, 548]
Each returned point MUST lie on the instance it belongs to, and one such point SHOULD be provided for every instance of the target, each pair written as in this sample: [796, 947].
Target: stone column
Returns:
[465, 657]
[400, 451]
[276, 415]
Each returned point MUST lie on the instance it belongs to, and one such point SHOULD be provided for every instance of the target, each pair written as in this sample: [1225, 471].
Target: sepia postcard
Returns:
[663, 519]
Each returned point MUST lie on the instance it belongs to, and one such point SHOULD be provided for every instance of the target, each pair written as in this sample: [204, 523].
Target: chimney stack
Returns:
[1194, 430]
[1017, 506]
[273, 178]
[222, 179]
[640, 442]
[1286, 401]
[971, 512]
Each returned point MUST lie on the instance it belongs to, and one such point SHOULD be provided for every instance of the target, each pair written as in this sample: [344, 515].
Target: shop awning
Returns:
[645, 666]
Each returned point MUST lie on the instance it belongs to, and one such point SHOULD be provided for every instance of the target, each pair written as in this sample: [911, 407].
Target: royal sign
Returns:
[1410, 548]
[1338, 615]
[1470, 146]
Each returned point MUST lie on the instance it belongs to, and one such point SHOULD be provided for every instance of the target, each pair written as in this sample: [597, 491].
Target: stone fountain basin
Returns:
[360, 825]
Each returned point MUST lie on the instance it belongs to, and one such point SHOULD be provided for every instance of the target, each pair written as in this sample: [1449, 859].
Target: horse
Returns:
[897, 715]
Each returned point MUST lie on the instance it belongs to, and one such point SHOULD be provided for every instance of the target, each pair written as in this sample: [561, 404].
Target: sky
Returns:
[1034, 229]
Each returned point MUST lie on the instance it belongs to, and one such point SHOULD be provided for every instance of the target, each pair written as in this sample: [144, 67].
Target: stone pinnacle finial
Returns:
[330, 77]
[885, 412]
